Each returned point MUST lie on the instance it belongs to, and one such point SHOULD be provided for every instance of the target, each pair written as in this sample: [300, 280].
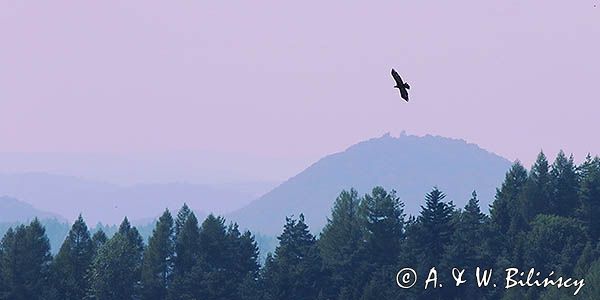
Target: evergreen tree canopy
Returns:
[589, 194]
[115, 273]
[187, 254]
[72, 263]
[342, 247]
[506, 206]
[537, 195]
[468, 249]
[294, 272]
[25, 263]
[565, 186]
[554, 244]
[157, 265]
[436, 226]
[182, 217]
[98, 240]
[383, 217]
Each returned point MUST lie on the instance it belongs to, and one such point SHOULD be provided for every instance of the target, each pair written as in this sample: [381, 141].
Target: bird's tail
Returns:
[406, 86]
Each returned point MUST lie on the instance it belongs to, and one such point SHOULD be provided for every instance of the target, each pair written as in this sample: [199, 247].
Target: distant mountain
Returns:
[409, 164]
[109, 203]
[14, 213]
[13, 210]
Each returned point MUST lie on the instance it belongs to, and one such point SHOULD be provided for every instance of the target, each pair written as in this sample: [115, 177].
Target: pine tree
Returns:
[554, 243]
[5, 262]
[430, 236]
[224, 260]
[116, 269]
[505, 204]
[437, 227]
[158, 259]
[98, 240]
[186, 258]
[507, 214]
[182, 217]
[25, 263]
[467, 249]
[341, 245]
[565, 183]
[538, 189]
[216, 261]
[72, 263]
[383, 219]
[242, 262]
[247, 255]
[589, 194]
[294, 272]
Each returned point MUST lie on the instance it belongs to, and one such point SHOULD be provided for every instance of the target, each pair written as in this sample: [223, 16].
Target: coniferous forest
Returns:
[547, 218]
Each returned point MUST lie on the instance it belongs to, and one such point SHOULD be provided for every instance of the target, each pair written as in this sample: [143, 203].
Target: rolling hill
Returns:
[108, 203]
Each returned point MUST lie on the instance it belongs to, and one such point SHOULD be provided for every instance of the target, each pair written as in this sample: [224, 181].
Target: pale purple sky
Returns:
[297, 80]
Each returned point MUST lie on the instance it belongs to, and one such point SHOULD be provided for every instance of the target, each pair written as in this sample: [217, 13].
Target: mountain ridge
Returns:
[411, 165]
[14, 210]
[99, 201]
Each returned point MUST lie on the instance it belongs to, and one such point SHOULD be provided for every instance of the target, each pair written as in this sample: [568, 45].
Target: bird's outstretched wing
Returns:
[397, 78]
[404, 94]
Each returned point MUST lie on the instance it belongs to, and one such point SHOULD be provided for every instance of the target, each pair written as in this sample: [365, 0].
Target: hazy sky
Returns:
[294, 81]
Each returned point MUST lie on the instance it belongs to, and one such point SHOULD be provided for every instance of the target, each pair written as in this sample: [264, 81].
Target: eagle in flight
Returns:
[403, 87]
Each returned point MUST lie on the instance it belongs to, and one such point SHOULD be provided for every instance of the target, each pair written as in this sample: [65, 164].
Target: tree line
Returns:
[547, 218]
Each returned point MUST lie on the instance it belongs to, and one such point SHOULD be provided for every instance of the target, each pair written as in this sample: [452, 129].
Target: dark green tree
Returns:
[186, 258]
[157, 264]
[182, 217]
[468, 249]
[226, 261]
[342, 248]
[25, 263]
[565, 183]
[538, 189]
[554, 243]
[72, 263]
[243, 262]
[294, 271]
[383, 220]
[506, 206]
[5, 262]
[589, 195]
[116, 270]
[437, 227]
[216, 261]
[430, 235]
[98, 240]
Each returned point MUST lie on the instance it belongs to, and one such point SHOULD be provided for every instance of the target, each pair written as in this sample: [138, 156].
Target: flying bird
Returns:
[403, 87]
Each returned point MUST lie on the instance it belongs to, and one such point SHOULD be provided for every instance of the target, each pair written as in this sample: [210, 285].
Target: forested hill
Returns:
[545, 219]
[409, 164]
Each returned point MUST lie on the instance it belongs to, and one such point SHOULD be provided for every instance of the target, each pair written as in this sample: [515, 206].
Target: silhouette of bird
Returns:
[403, 87]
